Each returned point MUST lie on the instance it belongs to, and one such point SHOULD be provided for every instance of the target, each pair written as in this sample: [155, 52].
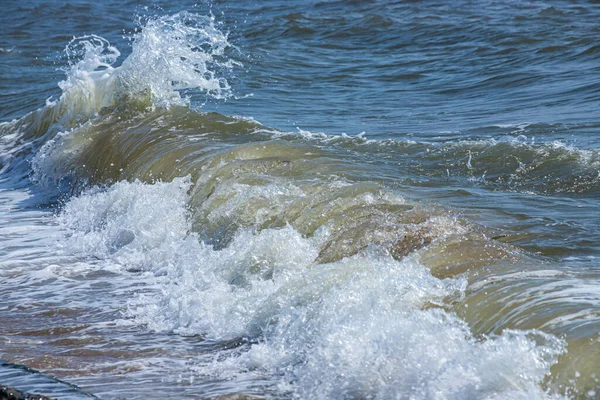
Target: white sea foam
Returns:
[170, 54]
[133, 224]
[178, 52]
[366, 326]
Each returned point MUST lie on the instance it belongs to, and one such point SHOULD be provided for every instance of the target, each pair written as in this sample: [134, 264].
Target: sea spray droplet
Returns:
[184, 51]
[91, 81]
[178, 52]
[91, 52]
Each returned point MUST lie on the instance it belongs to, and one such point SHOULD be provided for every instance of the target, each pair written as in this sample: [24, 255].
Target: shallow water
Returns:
[414, 216]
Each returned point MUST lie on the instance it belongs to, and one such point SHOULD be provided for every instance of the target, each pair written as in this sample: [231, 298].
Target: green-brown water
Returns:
[158, 241]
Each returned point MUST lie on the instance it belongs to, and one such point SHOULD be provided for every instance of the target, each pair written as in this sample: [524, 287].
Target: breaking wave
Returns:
[330, 281]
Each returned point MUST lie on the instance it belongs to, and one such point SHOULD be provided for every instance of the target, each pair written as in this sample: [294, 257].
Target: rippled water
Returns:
[301, 199]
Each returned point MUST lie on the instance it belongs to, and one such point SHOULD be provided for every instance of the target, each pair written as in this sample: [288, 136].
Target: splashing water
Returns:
[183, 52]
[178, 52]
[281, 252]
[367, 326]
[170, 54]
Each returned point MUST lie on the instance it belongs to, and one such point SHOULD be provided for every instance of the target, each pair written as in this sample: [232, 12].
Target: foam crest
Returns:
[170, 54]
[178, 52]
[91, 82]
[366, 326]
[368, 332]
[132, 224]
[424, 354]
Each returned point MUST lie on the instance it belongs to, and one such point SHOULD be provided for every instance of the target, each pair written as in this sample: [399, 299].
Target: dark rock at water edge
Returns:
[21, 382]
[8, 393]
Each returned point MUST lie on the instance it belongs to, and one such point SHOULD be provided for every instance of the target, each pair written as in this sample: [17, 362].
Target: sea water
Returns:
[316, 200]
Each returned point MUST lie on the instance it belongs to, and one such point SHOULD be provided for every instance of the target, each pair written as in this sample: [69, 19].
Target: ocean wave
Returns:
[366, 325]
[170, 55]
[331, 280]
[510, 162]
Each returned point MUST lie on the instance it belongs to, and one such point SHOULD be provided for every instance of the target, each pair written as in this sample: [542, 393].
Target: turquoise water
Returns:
[302, 199]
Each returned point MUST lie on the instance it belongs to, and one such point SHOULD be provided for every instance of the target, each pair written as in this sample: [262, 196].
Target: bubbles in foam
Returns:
[367, 326]
[169, 54]
[135, 225]
[177, 52]
[91, 82]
